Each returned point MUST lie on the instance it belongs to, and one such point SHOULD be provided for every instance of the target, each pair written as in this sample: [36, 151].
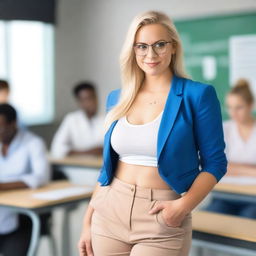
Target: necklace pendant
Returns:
[154, 102]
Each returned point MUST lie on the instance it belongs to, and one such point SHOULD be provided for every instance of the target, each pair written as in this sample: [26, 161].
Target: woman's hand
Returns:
[84, 244]
[174, 211]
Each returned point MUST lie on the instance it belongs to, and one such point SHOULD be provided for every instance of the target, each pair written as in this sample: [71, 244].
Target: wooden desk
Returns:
[77, 161]
[22, 201]
[223, 232]
[246, 193]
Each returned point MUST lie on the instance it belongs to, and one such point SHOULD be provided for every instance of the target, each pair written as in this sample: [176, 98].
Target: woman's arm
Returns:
[201, 186]
[209, 138]
[176, 210]
[89, 211]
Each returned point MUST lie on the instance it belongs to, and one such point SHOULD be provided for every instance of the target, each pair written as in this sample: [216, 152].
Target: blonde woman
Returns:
[156, 124]
[240, 138]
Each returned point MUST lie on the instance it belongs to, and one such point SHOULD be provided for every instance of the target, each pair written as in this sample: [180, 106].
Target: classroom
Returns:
[127, 128]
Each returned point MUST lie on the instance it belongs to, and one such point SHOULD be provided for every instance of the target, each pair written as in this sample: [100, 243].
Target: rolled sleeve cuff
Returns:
[215, 172]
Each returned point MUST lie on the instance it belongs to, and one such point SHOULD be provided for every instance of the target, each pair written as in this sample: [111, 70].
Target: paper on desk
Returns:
[239, 180]
[58, 194]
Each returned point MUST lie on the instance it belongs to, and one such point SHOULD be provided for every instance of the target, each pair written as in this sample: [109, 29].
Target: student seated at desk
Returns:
[81, 131]
[23, 164]
[240, 139]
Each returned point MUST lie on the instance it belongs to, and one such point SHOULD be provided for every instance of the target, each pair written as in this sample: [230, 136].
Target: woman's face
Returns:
[152, 63]
[238, 109]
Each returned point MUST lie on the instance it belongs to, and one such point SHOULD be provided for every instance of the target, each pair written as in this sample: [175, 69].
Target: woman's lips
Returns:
[152, 64]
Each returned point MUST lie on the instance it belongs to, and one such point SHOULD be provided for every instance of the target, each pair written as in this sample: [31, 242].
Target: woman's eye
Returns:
[160, 45]
[141, 46]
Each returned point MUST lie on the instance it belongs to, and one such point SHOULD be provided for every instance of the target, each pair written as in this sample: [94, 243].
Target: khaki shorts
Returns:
[121, 224]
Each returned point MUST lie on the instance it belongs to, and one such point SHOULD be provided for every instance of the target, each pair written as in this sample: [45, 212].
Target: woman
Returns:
[155, 126]
[240, 138]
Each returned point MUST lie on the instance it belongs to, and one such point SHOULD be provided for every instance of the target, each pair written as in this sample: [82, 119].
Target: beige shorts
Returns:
[121, 224]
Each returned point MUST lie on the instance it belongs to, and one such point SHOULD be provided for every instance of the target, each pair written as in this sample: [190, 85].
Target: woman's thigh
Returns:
[107, 246]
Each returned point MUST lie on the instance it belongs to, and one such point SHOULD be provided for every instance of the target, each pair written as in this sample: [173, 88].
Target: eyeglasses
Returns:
[158, 47]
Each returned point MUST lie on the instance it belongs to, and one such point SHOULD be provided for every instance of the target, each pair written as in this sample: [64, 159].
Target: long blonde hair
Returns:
[131, 75]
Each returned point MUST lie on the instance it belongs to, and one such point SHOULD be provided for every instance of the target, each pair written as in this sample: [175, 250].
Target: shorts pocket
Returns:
[160, 220]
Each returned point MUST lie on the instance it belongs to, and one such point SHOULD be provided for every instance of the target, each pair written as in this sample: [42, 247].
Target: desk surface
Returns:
[24, 197]
[236, 189]
[224, 225]
[83, 161]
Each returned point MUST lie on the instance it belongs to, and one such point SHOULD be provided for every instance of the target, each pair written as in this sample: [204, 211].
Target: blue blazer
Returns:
[190, 136]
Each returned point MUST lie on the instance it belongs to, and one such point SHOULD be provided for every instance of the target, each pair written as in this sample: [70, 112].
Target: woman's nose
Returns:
[151, 52]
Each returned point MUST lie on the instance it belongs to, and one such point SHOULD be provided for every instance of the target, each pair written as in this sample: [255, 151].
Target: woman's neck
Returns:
[248, 122]
[156, 83]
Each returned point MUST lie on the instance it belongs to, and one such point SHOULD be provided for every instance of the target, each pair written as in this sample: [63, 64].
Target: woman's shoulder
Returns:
[195, 87]
[197, 92]
[112, 98]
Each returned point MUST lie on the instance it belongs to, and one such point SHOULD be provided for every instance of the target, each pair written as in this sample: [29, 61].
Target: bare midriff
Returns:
[144, 176]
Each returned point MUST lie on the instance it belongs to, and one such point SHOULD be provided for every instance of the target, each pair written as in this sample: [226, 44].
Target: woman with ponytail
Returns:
[240, 138]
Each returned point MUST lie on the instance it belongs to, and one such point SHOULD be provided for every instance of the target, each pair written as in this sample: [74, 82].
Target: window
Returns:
[26, 61]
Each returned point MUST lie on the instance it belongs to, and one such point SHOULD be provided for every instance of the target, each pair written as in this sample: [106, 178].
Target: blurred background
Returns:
[47, 48]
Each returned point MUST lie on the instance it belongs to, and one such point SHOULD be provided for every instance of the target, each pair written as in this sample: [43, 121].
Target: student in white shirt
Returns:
[240, 139]
[81, 131]
[23, 164]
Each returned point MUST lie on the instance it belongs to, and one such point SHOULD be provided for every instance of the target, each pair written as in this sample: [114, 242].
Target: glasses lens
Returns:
[160, 47]
[141, 49]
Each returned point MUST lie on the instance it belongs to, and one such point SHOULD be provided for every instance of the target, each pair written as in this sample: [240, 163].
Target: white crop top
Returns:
[136, 143]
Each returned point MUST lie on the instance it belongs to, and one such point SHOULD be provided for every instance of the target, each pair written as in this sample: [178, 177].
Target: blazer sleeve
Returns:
[108, 106]
[112, 99]
[209, 133]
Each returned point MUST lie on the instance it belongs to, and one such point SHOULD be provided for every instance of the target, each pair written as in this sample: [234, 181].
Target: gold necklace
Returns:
[154, 102]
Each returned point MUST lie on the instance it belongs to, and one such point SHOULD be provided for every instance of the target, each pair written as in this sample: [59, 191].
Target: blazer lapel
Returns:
[171, 109]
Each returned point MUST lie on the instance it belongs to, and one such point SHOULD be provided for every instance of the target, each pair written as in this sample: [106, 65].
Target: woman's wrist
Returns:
[86, 224]
[186, 207]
